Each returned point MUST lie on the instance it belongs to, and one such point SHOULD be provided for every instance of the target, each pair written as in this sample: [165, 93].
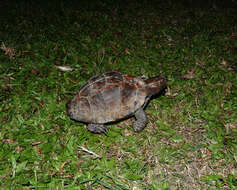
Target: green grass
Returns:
[190, 141]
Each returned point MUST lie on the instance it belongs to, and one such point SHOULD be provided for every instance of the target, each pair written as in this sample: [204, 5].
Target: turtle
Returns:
[113, 96]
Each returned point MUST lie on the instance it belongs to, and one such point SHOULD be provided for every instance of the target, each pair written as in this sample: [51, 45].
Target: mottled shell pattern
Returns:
[107, 97]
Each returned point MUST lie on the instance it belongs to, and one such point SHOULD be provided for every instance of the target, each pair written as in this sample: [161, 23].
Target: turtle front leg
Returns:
[141, 120]
[96, 128]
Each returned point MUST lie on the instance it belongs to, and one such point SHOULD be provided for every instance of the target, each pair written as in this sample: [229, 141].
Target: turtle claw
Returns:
[97, 128]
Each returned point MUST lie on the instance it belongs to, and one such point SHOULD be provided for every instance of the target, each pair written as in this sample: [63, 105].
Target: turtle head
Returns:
[156, 84]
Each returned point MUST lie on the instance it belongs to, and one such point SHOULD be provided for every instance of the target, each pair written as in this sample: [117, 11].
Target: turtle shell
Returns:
[107, 97]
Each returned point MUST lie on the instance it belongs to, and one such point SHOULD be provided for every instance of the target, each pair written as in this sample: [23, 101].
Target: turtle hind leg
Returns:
[96, 128]
[141, 120]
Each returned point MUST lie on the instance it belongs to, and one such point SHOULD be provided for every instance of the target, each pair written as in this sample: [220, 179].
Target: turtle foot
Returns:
[139, 126]
[97, 128]
[141, 120]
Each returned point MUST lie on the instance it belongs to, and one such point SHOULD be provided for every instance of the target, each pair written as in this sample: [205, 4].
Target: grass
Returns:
[190, 141]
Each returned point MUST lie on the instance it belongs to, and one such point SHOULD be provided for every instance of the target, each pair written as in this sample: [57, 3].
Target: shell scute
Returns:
[81, 109]
[129, 77]
[114, 80]
[127, 91]
[95, 102]
[112, 99]
[92, 88]
[140, 84]
[85, 91]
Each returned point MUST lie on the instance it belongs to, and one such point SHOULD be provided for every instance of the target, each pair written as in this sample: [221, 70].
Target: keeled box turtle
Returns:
[113, 96]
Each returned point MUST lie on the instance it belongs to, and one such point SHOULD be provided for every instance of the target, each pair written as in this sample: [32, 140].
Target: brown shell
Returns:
[107, 97]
